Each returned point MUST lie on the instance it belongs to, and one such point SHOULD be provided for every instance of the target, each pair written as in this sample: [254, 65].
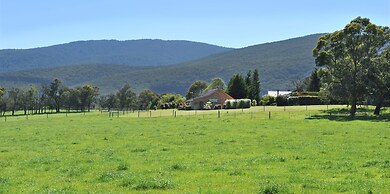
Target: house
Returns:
[215, 97]
[278, 93]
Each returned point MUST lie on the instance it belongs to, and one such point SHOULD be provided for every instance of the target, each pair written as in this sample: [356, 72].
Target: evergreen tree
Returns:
[315, 84]
[237, 87]
[255, 86]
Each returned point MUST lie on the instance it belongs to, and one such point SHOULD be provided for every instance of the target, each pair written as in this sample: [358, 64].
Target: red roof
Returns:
[216, 93]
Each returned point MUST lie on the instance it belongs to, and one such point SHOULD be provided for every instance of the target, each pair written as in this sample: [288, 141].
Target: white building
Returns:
[278, 93]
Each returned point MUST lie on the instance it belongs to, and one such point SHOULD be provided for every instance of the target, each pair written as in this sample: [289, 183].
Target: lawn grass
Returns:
[243, 151]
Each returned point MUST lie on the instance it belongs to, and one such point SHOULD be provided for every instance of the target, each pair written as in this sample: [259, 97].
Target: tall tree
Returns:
[29, 99]
[148, 99]
[254, 87]
[109, 101]
[315, 84]
[126, 97]
[14, 99]
[347, 53]
[216, 83]
[196, 89]
[87, 96]
[55, 93]
[237, 87]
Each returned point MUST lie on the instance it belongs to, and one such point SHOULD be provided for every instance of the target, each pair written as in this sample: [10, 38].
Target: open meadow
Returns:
[258, 150]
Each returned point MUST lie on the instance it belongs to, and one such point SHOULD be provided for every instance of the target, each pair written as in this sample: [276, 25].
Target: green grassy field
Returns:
[243, 151]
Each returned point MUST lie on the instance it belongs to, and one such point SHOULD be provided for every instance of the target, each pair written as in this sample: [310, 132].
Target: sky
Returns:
[229, 23]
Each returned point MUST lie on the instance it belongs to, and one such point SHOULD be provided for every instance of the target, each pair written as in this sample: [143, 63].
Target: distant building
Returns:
[216, 97]
[278, 93]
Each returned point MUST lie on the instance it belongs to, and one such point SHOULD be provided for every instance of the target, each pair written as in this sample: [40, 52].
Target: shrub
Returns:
[239, 103]
[229, 104]
[254, 102]
[234, 104]
[304, 93]
[293, 100]
[281, 100]
[309, 100]
[244, 103]
[267, 100]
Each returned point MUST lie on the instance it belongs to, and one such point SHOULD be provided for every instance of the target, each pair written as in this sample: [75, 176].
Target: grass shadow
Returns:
[342, 114]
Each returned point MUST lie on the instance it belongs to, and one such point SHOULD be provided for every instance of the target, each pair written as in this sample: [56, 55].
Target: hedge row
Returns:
[237, 103]
[297, 100]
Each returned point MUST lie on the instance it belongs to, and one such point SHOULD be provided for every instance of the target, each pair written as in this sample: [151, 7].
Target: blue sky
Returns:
[230, 23]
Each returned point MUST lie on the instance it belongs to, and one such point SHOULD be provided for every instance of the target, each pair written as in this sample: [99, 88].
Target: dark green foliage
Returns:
[254, 89]
[244, 103]
[314, 85]
[237, 87]
[148, 99]
[282, 100]
[87, 95]
[56, 96]
[304, 100]
[253, 85]
[272, 188]
[126, 97]
[229, 104]
[238, 103]
[304, 94]
[109, 102]
[55, 93]
[348, 54]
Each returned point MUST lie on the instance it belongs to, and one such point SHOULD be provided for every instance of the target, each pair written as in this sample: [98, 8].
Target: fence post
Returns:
[175, 114]
[26, 117]
[269, 115]
[5, 118]
[138, 113]
[150, 113]
[219, 114]
[47, 115]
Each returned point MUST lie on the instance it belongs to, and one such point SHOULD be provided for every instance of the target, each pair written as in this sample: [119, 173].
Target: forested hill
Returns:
[131, 53]
[279, 63]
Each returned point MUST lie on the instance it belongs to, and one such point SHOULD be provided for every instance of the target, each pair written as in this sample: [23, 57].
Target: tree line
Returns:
[56, 97]
[48, 98]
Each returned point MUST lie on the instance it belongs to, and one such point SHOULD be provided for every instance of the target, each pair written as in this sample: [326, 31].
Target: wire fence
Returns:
[258, 112]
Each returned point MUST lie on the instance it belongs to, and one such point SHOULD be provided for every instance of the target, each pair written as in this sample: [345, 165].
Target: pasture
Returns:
[295, 150]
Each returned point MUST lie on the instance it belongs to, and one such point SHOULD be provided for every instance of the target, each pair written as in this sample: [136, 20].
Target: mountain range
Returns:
[146, 52]
[279, 63]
